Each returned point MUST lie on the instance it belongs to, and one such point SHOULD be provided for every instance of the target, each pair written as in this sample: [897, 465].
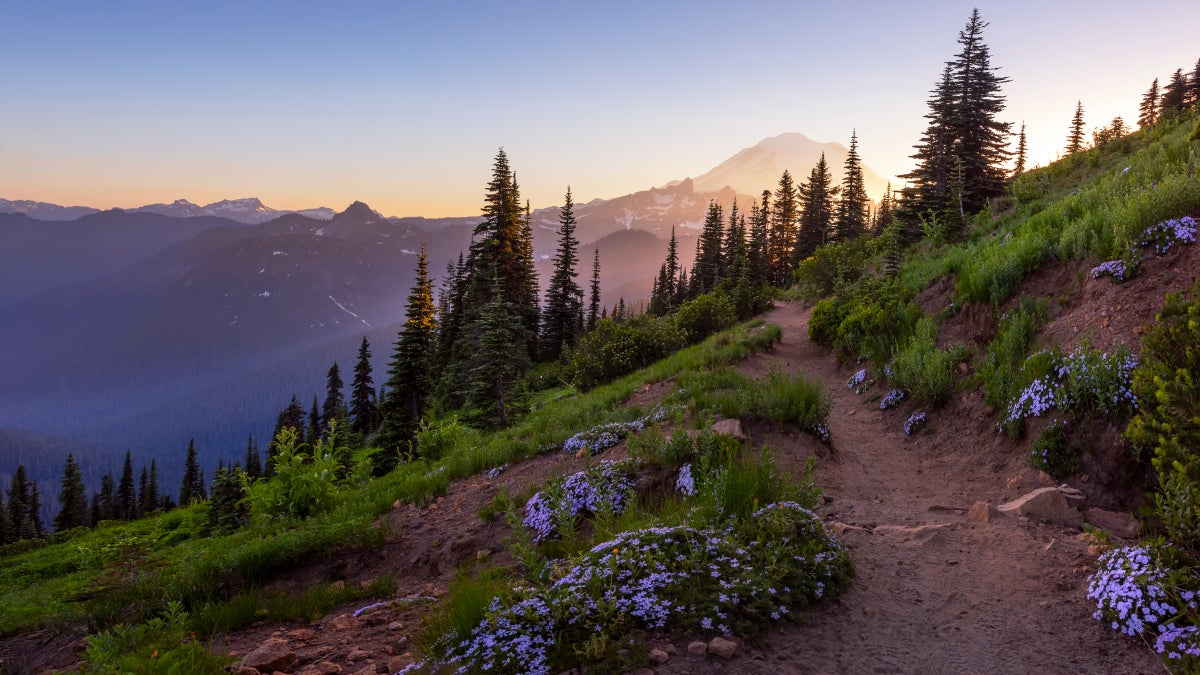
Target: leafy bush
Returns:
[1002, 359]
[833, 266]
[877, 320]
[441, 438]
[303, 483]
[827, 315]
[1169, 423]
[922, 369]
[704, 315]
[1085, 383]
[995, 270]
[161, 645]
[615, 349]
[1052, 451]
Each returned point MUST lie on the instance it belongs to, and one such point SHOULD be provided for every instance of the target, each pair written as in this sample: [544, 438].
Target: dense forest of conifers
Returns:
[492, 339]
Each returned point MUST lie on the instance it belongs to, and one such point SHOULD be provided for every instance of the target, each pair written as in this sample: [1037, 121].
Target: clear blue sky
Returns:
[403, 104]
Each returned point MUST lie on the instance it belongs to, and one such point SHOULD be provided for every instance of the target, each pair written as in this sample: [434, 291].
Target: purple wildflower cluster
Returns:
[1117, 269]
[602, 437]
[605, 486]
[663, 577]
[914, 423]
[1085, 381]
[1162, 237]
[1168, 233]
[685, 483]
[821, 431]
[1134, 593]
[495, 471]
[859, 382]
[893, 399]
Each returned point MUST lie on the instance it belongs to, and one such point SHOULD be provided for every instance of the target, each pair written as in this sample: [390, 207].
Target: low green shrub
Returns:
[1168, 423]
[923, 370]
[704, 315]
[833, 266]
[164, 644]
[1053, 452]
[877, 321]
[1001, 361]
[615, 349]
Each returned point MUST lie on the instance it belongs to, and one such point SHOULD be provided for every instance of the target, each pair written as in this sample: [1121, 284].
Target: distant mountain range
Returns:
[249, 211]
[139, 329]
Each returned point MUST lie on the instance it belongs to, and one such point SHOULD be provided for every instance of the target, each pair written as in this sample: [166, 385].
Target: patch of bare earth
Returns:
[933, 593]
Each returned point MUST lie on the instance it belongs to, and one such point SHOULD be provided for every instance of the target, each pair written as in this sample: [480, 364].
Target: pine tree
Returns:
[851, 220]
[152, 499]
[291, 416]
[451, 312]
[19, 496]
[226, 511]
[962, 128]
[1193, 96]
[884, 215]
[1019, 166]
[671, 270]
[501, 249]
[72, 499]
[562, 322]
[984, 140]
[1075, 138]
[143, 487]
[759, 271]
[501, 362]
[335, 399]
[781, 237]
[192, 487]
[594, 299]
[732, 242]
[1149, 107]
[1174, 95]
[252, 462]
[314, 423]
[126, 492]
[926, 194]
[410, 373]
[35, 511]
[105, 501]
[363, 410]
[816, 210]
[706, 271]
[6, 529]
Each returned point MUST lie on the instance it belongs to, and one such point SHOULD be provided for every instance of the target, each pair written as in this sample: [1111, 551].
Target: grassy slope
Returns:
[129, 571]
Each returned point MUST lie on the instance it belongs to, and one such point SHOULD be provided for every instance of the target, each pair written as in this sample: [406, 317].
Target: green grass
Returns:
[923, 370]
[128, 571]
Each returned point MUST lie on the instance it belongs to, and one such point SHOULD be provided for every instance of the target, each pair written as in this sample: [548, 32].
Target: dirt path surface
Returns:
[933, 593]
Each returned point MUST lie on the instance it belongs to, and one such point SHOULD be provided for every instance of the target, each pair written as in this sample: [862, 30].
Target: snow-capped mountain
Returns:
[45, 211]
[758, 167]
[249, 210]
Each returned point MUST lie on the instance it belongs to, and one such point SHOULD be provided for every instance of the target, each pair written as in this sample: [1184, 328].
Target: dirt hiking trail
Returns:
[933, 593]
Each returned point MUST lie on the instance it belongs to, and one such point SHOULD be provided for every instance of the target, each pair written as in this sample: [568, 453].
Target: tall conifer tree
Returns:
[127, 492]
[781, 238]
[706, 271]
[152, 500]
[19, 496]
[1193, 94]
[1075, 138]
[411, 371]
[594, 299]
[192, 487]
[363, 409]
[1149, 107]
[1019, 166]
[816, 210]
[1174, 94]
[335, 399]
[562, 322]
[499, 367]
[851, 218]
[6, 530]
[35, 510]
[963, 137]
[72, 498]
